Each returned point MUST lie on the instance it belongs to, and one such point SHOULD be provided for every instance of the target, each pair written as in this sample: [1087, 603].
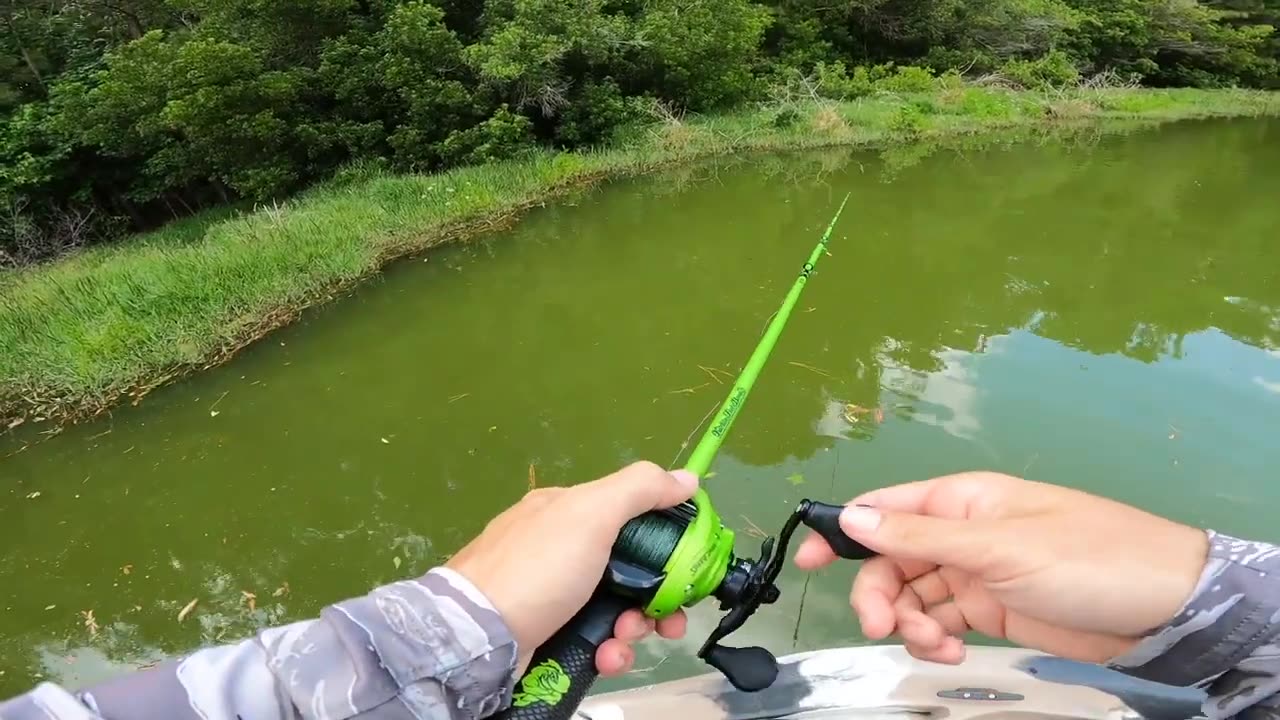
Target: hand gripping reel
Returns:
[662, 561]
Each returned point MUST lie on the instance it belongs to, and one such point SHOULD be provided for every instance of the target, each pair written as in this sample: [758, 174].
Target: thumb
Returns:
[639, 488]
[964, 544]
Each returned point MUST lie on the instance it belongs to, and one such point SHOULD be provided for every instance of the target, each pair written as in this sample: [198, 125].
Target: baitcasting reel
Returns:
[662, 561]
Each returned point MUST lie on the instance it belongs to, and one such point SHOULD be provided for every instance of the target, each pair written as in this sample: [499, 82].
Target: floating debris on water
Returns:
[810, 368]
[213, 412]
[853, 413]
[89, 622]
[715, 373]
[752, 529]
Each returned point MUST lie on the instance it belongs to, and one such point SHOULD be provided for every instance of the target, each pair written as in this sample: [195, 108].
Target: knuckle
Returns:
[978, 492]
[645, 468]
[639, 476]
[969, 483]
[540, 497]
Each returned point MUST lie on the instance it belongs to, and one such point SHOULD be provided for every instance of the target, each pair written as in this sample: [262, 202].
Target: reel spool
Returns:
[662, 561]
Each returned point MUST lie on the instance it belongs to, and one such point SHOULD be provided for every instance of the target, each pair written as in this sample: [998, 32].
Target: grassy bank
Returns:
[78, 334]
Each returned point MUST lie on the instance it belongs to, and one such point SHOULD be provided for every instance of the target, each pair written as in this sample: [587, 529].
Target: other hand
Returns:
[539, 561]
[1046, 567]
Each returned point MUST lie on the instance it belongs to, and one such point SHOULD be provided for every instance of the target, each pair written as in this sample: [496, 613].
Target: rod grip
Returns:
[563, 669]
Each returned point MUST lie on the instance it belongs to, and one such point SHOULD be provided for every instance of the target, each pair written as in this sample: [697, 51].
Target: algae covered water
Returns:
[1102, 313]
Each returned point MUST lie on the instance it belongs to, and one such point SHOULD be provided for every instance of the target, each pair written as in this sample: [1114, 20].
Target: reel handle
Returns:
[564, 668]
[824, 519]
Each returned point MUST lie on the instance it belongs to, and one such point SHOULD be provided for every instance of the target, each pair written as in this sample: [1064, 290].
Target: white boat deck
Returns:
[885, 682]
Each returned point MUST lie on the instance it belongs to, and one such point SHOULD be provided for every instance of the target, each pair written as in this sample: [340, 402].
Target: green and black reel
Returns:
[670, 559]
[663, 561]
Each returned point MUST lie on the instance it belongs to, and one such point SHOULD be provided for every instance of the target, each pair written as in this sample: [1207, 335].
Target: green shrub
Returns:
[1055, 69]
[786, 118]
[980, 102]
[908, 79]
[951, 80]
[907, 122]
[598, 110]
[502, 136]
[925, 106]
[835, 82]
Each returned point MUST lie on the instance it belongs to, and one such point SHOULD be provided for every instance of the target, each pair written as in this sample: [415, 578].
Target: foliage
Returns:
[908, 122]
[502, 136]
[75, 333]
[1053, 70]
[839, 85]
[125, 115]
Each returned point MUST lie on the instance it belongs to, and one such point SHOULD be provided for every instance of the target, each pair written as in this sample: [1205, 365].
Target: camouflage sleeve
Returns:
[1226, 637]
[432, 648]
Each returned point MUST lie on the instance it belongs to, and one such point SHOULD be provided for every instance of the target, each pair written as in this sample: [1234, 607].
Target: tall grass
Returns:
[77, 333]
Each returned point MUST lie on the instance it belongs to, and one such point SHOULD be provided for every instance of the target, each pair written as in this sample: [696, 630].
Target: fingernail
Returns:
[860, 519]
[685, 477]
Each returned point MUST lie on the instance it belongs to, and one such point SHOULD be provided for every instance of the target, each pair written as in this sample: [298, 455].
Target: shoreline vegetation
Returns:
[107, 324]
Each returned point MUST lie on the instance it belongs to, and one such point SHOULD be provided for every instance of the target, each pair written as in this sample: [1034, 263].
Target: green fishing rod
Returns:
[705, 451]
[668, 559]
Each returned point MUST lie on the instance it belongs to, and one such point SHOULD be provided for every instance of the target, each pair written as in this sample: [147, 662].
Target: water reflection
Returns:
[946, 398]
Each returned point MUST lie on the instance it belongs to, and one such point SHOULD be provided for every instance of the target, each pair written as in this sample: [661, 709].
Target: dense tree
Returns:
[119, 114]
[1254, 16]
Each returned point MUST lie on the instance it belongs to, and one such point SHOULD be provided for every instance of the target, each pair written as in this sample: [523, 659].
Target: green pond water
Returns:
[1102, 312]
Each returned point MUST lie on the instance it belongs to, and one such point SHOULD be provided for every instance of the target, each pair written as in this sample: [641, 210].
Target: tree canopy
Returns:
[118, 114]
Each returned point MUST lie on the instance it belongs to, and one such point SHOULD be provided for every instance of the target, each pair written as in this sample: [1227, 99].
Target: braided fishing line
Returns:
[649, 540]
[795, 632]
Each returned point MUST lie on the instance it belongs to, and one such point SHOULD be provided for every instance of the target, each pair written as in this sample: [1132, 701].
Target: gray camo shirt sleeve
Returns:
[1226, 637]
[432, 648]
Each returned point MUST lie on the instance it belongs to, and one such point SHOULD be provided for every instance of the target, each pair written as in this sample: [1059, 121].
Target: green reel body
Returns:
[695, 566]
[668, 559]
